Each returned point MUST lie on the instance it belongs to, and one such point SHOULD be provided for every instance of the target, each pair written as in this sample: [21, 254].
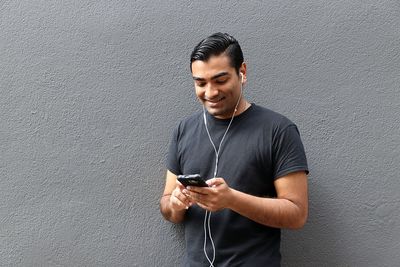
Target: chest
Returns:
[244, 158]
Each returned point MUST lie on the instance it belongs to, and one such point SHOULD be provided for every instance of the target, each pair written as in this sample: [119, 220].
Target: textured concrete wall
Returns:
[90, 91]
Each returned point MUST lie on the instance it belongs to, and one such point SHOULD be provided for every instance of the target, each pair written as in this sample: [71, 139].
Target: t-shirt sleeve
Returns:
[288, 153]
[172, 157]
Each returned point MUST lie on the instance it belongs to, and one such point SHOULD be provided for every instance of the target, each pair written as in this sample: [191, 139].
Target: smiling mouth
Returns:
[214, 101]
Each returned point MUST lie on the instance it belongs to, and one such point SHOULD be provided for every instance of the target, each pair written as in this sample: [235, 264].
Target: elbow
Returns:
[299, 224]
[299, 221]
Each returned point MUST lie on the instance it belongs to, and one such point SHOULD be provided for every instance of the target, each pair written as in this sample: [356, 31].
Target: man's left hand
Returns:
[213, 198]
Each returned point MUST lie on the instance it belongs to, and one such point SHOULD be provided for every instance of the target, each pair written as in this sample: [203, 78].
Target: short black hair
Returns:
[216, 44]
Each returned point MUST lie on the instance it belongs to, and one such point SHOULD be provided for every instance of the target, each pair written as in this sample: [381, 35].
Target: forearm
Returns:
[273, 212]
[169, 213]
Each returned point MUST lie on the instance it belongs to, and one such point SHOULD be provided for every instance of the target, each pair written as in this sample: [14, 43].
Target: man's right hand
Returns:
[178, 200]
[174, 203]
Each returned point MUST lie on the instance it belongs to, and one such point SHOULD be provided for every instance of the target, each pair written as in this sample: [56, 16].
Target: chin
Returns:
[213, 111]
[220, 114]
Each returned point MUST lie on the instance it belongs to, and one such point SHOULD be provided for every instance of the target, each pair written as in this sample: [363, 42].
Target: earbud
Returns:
[241, 75]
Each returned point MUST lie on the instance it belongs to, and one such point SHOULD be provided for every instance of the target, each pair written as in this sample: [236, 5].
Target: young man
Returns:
[253, 161]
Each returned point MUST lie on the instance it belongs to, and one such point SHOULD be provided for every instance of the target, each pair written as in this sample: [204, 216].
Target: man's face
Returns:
[217, 85]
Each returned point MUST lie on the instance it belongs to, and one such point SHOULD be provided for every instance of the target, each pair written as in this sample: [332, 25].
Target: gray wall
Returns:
[90, 92]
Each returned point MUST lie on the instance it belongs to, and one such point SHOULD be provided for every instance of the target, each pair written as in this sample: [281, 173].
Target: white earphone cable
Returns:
[207, 216]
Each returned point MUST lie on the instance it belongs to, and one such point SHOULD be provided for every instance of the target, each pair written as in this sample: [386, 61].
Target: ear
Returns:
[243, 72]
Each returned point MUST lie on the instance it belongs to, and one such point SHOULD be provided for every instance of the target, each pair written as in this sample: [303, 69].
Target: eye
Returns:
[221, 81]
[200, 84]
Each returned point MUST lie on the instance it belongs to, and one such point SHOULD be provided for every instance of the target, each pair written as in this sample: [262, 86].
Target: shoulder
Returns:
[189, 123]
[191, 120]
[271, 119]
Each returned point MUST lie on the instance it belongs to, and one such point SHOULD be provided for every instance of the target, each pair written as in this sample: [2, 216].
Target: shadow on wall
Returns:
[319, 243]
[340, 230]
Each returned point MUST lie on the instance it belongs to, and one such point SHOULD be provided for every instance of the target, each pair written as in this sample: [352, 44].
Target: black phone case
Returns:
[192, 180]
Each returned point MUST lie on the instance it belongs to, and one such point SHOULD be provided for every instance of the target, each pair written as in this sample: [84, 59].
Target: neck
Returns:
[242, 107]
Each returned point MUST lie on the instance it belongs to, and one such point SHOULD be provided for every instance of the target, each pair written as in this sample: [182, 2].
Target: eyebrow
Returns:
[212, 78]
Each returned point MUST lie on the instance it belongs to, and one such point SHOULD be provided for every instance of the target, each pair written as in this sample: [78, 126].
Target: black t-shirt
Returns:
[260, 146]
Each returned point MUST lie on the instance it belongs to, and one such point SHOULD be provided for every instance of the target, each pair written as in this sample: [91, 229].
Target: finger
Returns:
[179, 204]
[182, 198]
[197, 197]
[190, 194]
[213, 182]
[181, 193]
[198, 189]
[179, 185]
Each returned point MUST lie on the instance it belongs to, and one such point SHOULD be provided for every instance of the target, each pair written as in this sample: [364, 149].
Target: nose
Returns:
[211, 92]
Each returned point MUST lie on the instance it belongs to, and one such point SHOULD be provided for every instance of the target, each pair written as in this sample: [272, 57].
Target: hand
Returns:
[178, 200]
[213, 198]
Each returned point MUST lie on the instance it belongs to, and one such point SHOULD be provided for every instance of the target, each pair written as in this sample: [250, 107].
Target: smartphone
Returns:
[192, 180]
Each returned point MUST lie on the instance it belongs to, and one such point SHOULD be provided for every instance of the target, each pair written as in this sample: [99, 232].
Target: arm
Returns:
[173, 203]
[288, 210]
